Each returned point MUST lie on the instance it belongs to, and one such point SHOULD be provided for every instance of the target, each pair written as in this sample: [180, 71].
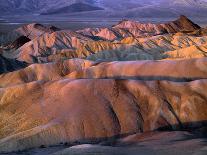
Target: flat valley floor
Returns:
[9, 23]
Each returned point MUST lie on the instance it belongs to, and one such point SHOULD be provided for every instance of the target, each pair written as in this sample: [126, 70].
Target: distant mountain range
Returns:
[109, 8]
[76, 7]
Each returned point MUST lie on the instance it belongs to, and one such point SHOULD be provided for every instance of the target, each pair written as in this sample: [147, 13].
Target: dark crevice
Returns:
[121, 87]
[169, 105]
[174, 113]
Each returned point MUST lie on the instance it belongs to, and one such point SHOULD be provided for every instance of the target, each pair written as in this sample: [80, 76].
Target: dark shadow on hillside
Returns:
[196, 130]
[10, 65]
[152, 78]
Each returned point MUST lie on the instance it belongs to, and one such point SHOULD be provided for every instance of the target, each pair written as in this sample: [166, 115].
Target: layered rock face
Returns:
[65, 96]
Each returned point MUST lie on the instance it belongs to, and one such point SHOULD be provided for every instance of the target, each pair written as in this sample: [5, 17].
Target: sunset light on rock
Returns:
[103, 77]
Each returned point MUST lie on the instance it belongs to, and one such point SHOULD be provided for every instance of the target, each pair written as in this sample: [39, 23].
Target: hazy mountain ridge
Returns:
[76, 7]
[35, 6]
[112, 8]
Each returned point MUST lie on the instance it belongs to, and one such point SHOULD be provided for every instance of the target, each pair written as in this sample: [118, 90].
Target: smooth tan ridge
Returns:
[175, 70]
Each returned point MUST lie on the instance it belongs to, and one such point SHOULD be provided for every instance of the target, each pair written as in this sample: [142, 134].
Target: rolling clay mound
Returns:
[172, 70]
[86, 111]
[49, 44]
[188, 52]
[44, 72]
